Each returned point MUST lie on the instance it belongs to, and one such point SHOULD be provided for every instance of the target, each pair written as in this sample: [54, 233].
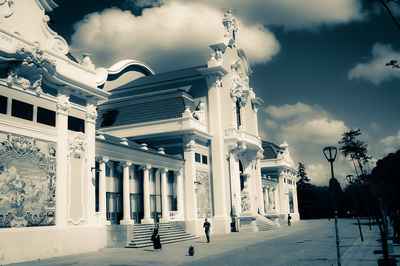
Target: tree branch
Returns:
[390, 13]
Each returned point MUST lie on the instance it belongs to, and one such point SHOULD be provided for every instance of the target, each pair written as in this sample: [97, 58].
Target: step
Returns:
[169, 233]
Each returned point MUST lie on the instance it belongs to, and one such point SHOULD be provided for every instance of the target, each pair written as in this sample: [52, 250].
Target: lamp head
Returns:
[330, 153]
[350, 179]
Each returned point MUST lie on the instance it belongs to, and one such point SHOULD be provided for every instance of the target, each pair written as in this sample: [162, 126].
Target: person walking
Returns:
[156, 238]
[207, 226]
[288, 219]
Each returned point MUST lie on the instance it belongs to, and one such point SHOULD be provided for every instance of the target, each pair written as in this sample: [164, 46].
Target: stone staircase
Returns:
[264, 224]
[169, 233]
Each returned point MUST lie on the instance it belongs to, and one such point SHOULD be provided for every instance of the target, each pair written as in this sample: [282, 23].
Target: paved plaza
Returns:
[309, 242]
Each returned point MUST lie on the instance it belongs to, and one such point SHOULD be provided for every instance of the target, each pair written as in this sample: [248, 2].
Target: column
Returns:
[63, 107]
[179, 192]
[221, 219]
[190, 178]
[164, 197]
[146, 195]
[102, 190]
[235, 185]
[264, 207]
[126, 195]
[90, 134]
[277, 201]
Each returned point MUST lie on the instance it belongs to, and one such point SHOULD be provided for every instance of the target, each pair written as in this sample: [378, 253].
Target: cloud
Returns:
[391, 143]
[171, 36]
[294, 15]
[307, 129]
[375, 69]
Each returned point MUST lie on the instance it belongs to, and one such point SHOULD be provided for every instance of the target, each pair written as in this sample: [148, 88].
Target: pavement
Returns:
[309, 242]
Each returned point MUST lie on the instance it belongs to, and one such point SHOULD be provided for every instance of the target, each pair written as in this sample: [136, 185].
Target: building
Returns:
[279, 179]
[87, 152]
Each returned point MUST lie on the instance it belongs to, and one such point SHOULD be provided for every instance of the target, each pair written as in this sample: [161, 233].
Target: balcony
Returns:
[240, 139]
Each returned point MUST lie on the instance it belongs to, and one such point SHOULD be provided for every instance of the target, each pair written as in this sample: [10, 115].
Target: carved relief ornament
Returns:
[63, 105]
[77, 145]
[28, 73]
[6, 8]
[91, 113]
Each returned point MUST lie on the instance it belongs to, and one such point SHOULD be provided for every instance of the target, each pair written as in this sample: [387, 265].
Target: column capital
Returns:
[188, 142]
[102, 159]
[91, 112]
[164, 170]
[145, 167]
[63, 105]
[126, 163]
[214, 80]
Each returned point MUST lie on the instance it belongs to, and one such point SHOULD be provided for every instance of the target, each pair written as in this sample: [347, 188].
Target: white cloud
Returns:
[307, 129]
[171, 36]
[391, 143]
[299, 14]
[375, 70]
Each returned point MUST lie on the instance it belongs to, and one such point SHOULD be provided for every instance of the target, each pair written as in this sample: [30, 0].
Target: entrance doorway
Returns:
[136, 207]
[114, 207]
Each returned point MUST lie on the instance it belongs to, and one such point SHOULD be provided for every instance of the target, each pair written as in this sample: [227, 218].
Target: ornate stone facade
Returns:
[27, 181]
[203, 194]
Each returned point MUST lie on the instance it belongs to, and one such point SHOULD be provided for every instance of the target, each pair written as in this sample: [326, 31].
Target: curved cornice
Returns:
[118, 67]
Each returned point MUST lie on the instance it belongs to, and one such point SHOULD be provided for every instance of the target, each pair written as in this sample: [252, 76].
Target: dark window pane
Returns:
[204, 159]
[197, 157]
[22, 110]
[76, 124]
[46, 116]
[3, 105]
[109, 118]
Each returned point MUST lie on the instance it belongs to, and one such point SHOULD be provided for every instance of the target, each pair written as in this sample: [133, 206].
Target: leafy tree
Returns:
[355, 149]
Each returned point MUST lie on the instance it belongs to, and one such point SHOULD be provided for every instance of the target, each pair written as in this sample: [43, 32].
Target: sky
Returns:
[319, 66]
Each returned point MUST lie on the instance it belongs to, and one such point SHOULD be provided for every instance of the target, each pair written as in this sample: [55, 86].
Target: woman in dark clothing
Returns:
[156, 238]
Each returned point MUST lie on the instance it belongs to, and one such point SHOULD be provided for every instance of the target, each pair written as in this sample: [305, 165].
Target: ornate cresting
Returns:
[28, 73]
[27, 182]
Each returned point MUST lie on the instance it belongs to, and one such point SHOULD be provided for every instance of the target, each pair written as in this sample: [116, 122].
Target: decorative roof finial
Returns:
[230, 26]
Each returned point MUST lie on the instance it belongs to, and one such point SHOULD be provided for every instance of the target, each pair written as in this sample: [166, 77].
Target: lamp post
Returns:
[330, 154]
[351, 181]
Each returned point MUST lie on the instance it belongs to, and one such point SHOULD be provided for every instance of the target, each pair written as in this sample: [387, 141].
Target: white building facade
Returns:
[83, 149]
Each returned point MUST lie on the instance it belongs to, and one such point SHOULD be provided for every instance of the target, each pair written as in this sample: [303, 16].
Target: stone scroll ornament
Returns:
[27, 182]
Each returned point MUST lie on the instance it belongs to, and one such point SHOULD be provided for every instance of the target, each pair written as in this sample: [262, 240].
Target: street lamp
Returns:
[330, 154]
[350, 179]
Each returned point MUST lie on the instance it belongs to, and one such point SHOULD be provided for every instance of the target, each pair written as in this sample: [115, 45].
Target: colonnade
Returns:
[127, 219]
[270, 199]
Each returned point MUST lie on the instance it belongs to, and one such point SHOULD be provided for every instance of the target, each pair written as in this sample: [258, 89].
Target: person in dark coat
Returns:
[207, 226]
[156, 238]
[288, 219]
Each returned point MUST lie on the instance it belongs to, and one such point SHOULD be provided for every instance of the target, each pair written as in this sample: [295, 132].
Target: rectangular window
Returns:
[197, 157]
[22, 110]
[46, 116]
[76, 124]
[3, 104]
[204, 159]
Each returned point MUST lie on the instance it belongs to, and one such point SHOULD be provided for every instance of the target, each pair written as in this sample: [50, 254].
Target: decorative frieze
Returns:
[214, 81]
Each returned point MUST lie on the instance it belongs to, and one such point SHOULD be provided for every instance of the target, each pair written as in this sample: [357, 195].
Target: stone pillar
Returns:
[102, 190]
[277, 200]
[90, 134]
[126, 195]
[164, 197]
[235, 185]
[264, 207]
[221, 219]
[63, 107]
[179, 192]
[260, 197]
[190, 178]
[146, 195]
